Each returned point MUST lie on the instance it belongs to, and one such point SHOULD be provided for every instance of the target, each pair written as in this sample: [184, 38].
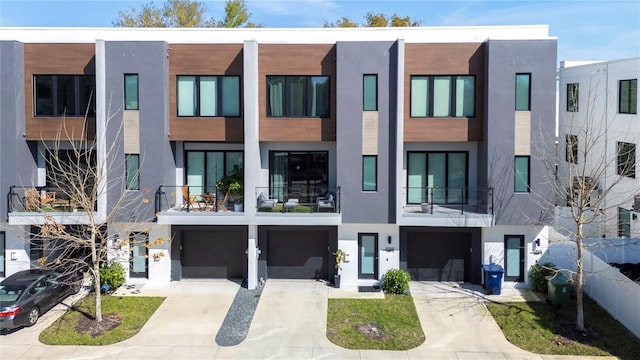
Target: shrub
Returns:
[396, 281]
[538, 276]
[112, 274]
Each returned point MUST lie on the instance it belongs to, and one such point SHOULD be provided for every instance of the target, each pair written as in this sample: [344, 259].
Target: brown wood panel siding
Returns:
[56, 59]
[204, 59]
[296, 60]
[444, 59]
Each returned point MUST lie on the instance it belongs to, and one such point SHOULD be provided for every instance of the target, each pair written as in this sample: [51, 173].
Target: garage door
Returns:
[212, 254]
[297, 254]
[439, 256]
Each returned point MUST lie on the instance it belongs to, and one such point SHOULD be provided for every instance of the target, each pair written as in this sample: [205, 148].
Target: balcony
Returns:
[195, 205]
[458, 207]
[298, 200]
[30, 205]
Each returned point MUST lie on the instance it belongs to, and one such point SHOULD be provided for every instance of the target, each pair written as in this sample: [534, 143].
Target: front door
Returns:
[514, 257]
[139, 266]
[368, 256]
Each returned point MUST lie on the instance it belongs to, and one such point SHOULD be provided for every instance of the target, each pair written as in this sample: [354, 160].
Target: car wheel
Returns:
[34, 314]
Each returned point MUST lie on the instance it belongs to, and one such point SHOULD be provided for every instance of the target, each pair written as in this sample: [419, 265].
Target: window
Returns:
[69, 95]
[438, 177]
[523, 92]
[627, 159]
[3, 246]
[131, 92]
[133, 171]
[572, 97]
[302, 175]
[628, 97]
[572, 149]
[208, 96]
[624, 223]
[206, 168]
[369, 173]
[522, 179]
[370, 92]
[443, 96]
[298, 96]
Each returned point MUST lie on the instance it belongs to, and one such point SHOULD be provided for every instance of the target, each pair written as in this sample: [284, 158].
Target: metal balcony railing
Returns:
[194, 198]
[299, 199]
[476, 200]
[41, 199]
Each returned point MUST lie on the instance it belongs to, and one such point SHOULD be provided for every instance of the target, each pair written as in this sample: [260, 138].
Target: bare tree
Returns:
[587, 170]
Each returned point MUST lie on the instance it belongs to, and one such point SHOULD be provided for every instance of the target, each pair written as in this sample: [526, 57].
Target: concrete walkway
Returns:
[289, 323]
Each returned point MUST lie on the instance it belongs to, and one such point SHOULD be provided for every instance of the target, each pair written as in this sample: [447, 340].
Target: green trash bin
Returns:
[559, 290]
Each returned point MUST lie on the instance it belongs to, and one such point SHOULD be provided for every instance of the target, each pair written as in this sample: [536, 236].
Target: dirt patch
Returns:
[372, 331]
[94, 328]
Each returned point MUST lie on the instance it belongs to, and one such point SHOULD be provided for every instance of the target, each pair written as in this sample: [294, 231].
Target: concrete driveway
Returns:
[289, 323]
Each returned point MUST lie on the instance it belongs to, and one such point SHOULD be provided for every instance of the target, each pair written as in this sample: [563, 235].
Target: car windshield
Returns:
[10, 293]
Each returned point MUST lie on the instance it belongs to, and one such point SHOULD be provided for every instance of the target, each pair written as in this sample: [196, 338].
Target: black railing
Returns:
[194, 198]
[41, 199]
[305, 199]
[477, 200]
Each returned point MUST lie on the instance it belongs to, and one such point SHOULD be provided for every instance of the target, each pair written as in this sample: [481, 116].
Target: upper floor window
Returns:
[624, 223]
[131, 92]
[628, 97]
[369, 173]
[370, 92]
[523, 92]
[298, 96]
[69, 95]
[132, 175]
[572, 97]
[626, 159]
[208, 95]
[572, 148]
[522, 179]
[443, 96]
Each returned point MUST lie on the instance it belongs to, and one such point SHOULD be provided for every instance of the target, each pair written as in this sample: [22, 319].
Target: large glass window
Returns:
[628, 97]
[206, 168]
[572, 97]
[572, 148]
[627, 159]
[139, 265]
[522, 179]
[3, 247]
[302, 175]
[624, 223]
[61, 163]
[443, 96]
[131, 92]
[133, 171]
[68, 95]
[523, 92]
[298, 96]
[438, 177]
[369, 173]
[208, 96]
[370, 92]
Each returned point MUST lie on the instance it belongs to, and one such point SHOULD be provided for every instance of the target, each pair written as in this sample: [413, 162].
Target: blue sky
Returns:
[586, 30]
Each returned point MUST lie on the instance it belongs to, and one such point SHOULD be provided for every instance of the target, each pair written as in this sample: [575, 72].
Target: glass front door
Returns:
[302, 175]
[368, 256]
[514, 257]
[139, 255]
[438, 177]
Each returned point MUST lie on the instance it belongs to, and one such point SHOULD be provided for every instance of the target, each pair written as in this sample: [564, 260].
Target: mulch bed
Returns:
[87, 325]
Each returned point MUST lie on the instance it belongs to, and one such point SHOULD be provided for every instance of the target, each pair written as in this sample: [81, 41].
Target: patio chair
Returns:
[327, 202]
[189, 201]
[31, 199]
[265, 203]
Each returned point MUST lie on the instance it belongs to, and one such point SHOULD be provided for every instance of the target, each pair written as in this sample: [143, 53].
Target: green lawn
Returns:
[543, 329]
[382, 324]
[133, 311]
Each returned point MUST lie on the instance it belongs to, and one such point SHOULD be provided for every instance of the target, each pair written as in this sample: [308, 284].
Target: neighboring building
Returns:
[406, 148]
[598, 120]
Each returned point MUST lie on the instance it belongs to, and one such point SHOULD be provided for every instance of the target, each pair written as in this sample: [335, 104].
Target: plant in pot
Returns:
[339, 254]
[231, 186]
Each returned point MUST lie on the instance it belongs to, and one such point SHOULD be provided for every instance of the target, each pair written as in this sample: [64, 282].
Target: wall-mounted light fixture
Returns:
[389, 239]
[537, 242]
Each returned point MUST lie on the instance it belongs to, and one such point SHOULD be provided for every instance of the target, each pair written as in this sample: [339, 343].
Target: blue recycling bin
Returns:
[493, 278]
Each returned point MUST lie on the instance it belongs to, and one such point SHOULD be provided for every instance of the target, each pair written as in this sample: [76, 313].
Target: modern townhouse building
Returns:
[404, 147]
[598, 120]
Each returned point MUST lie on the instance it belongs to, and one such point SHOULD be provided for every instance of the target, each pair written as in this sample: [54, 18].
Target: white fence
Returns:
[615, 292]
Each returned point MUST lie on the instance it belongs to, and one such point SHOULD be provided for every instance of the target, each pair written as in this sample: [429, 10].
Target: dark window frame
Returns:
[571, 153]
[515, 174]
[446, 168]
[219, 95]
[224, 164]
[573, 97]
[528, 107]
[138, 274]
[78, 91]
[627, 168]
[3, 243]
[452, 96]
[132, 183]
[624, 225]
[289, 186]
[308, 100]
[126, 106]
[376, 265]
[364, 94]
[632, 104]
[375, 180]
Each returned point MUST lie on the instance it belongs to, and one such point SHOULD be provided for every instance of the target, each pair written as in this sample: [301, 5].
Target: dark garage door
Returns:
[439, 256]
[212, 254]
[297, 254]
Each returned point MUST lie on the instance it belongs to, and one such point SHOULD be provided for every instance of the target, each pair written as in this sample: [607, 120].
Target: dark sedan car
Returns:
[27, 294]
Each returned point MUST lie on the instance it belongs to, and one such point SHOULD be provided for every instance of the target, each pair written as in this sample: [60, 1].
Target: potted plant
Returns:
[232, 186]
[339, 254]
